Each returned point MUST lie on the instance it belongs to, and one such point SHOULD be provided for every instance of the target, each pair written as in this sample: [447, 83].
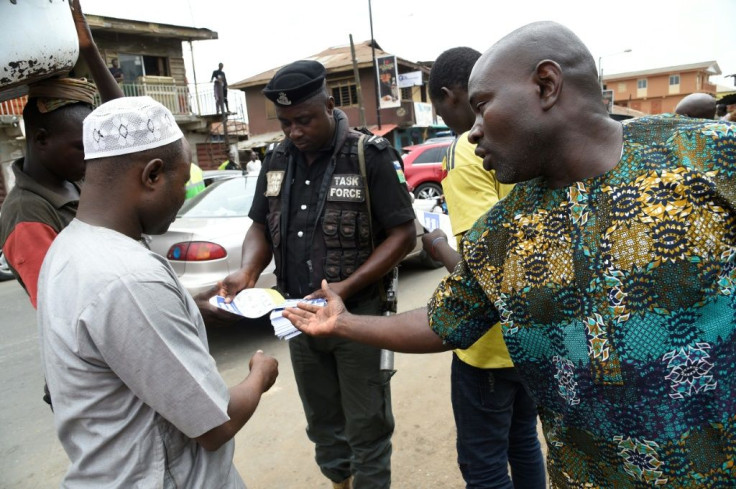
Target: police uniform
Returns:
[316, 218]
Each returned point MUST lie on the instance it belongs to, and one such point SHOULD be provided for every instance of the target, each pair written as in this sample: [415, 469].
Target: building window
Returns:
[642, 83]
[674, 87]
[270, 109]
[621, 87]
[407, 93]
[137, 65]
[345, 93]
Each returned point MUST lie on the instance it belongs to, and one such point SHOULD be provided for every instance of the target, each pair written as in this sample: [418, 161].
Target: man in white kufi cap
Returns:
[138, 401]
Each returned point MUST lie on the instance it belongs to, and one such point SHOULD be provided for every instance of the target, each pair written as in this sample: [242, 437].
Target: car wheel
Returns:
[428, 190]
[5, 273]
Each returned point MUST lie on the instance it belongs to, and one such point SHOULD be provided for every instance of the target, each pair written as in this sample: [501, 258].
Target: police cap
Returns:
[295, 83]
[729, 99]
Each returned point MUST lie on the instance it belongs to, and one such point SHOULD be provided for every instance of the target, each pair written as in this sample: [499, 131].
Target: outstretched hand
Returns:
[316, 320]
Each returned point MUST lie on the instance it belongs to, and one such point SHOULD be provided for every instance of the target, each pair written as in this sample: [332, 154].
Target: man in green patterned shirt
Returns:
[611, 267]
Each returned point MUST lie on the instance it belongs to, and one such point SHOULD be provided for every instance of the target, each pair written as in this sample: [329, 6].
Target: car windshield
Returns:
[227, 198]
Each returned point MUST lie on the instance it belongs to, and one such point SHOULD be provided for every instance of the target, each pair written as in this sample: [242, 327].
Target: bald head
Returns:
[699, 105]
[527, 46]
[539, 109]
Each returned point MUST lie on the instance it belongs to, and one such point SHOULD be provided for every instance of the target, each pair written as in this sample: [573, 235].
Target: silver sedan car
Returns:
[205, 242]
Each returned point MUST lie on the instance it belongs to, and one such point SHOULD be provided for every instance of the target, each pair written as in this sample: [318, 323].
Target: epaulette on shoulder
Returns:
[276, 147]
[379, 142]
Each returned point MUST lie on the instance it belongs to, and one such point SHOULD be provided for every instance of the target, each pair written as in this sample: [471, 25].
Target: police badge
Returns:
[273, 183]
[283, 99]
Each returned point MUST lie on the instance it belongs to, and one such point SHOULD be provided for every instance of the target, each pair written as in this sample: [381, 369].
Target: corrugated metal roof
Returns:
[336, 60]
[710, 66]
[148, 29]
[260, 140]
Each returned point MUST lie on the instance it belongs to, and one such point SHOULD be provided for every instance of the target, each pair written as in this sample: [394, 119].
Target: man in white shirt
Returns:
[254, 165]
[138, 401]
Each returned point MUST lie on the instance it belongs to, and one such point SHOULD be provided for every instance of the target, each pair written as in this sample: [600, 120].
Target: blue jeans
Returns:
[496, 423]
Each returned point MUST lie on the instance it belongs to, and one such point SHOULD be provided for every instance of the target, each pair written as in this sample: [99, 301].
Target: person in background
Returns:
[254, 165]
[495, 415]
[320, 216]
[138, 400]
[48, 179]
[720, 110]
[729, 102]
[698, 105]
[195, 184]
[218, 76]
[610, 267]
[116, 72]
[229, 164]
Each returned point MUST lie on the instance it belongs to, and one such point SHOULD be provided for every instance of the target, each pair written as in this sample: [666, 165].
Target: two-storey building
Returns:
[410, 122]
[659, 90]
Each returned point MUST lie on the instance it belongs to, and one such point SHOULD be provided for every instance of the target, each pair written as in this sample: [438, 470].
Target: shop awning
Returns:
[260, 140]
[385, 129]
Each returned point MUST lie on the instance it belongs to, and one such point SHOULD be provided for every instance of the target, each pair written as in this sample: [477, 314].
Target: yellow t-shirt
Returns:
[470, 191]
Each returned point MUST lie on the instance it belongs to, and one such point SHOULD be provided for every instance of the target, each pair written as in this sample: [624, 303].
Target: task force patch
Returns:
[273, 183]
[346, 188]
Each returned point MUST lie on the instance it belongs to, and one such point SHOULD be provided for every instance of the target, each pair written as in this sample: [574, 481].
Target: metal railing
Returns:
[173, 97]
[179, 99]
[203, 100]
[13, 106]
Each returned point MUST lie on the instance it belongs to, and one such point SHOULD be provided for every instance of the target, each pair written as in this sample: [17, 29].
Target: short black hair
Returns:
[451, 69]
[167, 153]
[35, 119]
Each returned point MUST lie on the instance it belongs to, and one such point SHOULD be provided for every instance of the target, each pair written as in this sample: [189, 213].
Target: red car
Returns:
[423, 168]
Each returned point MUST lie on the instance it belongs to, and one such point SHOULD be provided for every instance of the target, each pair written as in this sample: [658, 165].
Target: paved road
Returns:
[272, 451]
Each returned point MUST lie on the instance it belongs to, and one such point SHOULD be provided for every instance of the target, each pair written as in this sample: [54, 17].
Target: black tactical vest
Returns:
[341, 237]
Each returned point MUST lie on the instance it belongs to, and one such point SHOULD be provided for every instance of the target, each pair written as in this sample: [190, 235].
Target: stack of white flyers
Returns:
[282, 327]
[255, 303]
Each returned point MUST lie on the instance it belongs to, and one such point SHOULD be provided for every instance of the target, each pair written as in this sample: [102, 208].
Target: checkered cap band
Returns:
[128, 125]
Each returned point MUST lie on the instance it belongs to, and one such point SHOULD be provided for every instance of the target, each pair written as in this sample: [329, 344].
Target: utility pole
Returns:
[600, 68]
[358, 89]
[375, 76]
[194, 71]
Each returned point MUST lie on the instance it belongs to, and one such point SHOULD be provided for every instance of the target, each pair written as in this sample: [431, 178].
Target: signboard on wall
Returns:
[411, 79]
[422, 114]
[388, 87]
[608, 100]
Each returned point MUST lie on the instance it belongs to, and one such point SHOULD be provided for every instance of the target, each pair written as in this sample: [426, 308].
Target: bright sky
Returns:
[255, 36]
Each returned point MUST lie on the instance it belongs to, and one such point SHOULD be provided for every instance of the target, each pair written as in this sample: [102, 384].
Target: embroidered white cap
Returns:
[128, 125]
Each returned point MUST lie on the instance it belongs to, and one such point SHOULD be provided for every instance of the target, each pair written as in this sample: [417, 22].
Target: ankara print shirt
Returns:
[617, 301]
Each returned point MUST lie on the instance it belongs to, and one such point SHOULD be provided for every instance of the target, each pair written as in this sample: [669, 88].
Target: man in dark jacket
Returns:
[322, 216]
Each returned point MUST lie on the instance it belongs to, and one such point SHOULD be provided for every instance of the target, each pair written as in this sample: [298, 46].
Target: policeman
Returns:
[311, 213]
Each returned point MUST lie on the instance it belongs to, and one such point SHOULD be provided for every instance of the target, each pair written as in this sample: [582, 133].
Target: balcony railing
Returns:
[173, 97]
[179, 99]
[13, 106]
